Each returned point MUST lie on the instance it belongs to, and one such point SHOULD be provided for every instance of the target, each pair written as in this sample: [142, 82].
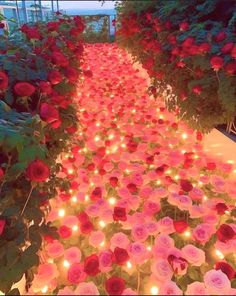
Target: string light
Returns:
[50, 260]
[96, 172]
[61, 213]
[97, 138]
[149, 248]
[168, 171]
[129, 265]
[158, 182]
[70, 191]
[44, 289]
[154, 290]
[70, 171]
[66, 263]
[102, 243]
[176, 177]
[85, 149]
[74, 199]
[86, 198]
[123, 145]
[184, 136]
[75, 227]
[187, 233]
[102, 224]
[219, 254]
[205, 197]
[97, 124]
[111, 137]
[112, 200]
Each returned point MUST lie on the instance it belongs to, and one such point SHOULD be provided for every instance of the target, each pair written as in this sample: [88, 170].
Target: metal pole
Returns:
[17, 14]
[52, 5]
[24, 11]
[40, 10]
[57, 5]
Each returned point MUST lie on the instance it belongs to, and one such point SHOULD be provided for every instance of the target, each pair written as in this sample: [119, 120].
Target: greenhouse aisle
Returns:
[145, 203]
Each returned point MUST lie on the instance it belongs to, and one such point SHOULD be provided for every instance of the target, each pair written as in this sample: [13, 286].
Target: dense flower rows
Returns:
[147, 212]
[39, 73]
[190, 47]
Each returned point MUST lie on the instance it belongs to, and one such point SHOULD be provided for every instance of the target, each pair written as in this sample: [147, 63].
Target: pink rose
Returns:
[196, 194]
[162, 270]
[203, 232]
[196, 288]
[193, 255]
[120, 240]
[96, 238]
[163, 243]
[70, 221]
[166, 225]
[129, 292]
[55, 249]
[217, 283]
[138, 252]
[72, 255]
[105, 261]
[184, 202]
[47, 272]
[88, 288]
[170, 288]
[151, 208]
[66, 291]
[76, 273]
[139, 233]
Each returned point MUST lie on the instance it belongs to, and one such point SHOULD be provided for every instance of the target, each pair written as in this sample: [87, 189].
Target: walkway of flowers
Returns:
[148, 212]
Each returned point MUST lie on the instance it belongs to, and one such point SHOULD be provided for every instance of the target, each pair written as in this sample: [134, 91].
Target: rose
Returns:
[113, 181]
[186, 185]
[59, 59]
[179, 265]
[138, 252]
[166, 225]
[71, 74]
[2, 225]
[55, 77]
[132, 188]
[217, 282]
[193, 255]
[217, 62]
[45, 87]
[139, 233]
[180, 226]
[105, 261]
[227, 47]
[225, 233]
[86, 289]
[115, 285]
[226, 268]
[48, 113]
[37, 171]
[47, 272]
[170, 288]
[161, 270]
[3, 81]
[119, 239]
[96, 194]
[221, 208]
[64, 231]
[119, 214]
[203, 232]
[91, 265]
[86, 227]
[24, 89]
[196, 288]
[121, 256]
[76, 274]
[72, 255]
[220, 36]
[55, 249]
[96, 238]
[230, 68]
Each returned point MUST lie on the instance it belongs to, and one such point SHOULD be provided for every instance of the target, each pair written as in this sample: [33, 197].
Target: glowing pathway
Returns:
[147, 212]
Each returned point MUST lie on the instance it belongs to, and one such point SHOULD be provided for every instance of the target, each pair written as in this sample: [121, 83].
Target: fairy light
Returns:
[219, 254]
[112, 200]
[81, 134]
[67, 156]
[44, 289]
[158, 182]
[61, 213]
[111, 137]
[66, 263]
[176, 177]
[70, 191]
[85, 149]
[205, 197]
[102, 223]
[196, 156]
[75, 227]
[86, 197]
[129, 265]
[168, 171]
[230, 161]
[183, 151]
[74, 199]
[161, 116]
[187, 234]
[154, 290]
[200, 183]
[70, 171]
[123, 146]
[50, 260]
[97, 124]
[97, 138]
[234, 171]
[102, 244]
[133, 111]
[127, 171]
[149, 248]
[96, 172]
[91, 184]
[184, 136]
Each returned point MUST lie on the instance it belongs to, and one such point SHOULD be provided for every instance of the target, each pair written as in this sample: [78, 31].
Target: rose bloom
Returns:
[166, 225]
[55, 249]
[105, 261]
[96, 238]
[129, 292]
[24, 89]
[193, 255]
[138, 252]
[88, 288]
[47, 272]
[161, 270]
[170, 288]
[121, 256]
[139, 233]
[76, 274]
[184, 202]
[73, 255]
[179, 265]
[66, 291]
[119, 239]
[203, 232]
[217, 283]
[37, 171]
[91, 265]
[3, 81]
[196, 288]
[163, 243]
[115, 285]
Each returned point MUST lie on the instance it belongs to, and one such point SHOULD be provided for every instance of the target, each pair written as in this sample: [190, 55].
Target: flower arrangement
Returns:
[189, 51]
[39, 73]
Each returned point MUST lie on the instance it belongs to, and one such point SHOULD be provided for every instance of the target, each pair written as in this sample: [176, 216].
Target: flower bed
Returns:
[39, 73]
[189, 52]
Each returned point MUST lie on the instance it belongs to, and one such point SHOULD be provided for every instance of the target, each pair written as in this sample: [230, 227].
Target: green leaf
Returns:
[29, 154]
[194, 273]
[16, 169]
[14, 292]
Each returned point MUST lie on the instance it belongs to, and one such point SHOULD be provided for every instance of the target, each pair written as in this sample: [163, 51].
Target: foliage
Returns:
[175, 41]
[37, 120]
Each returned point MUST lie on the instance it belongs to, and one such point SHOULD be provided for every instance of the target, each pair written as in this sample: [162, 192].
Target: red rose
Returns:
[2, 25]
[64, 196]
[178, 264]
[150, 159]
[115, 285]
[55, 77]
[221, 208]
[37, 171]
[211, 166]
[101, 151]
[226, 268]
[83, 217]
[113, 181]
[197, 89]
[121, 256]
[59, 59]
[64, 231]
[88, 73]
[48, 238]
[180, 226]
[132, 188]
[76, 274]
[49, 113]
[227, 47]
[132, 146]
[71, 74]
[24, 89]
[217, 63]
[45, 87]
[119, 214]
[3, 81]
[91, 265]
[96, 194]
[199, 136]
[1, 173]
[230, 68]
[33, 33]
[52, 26]
[160, 170]
[225, 233]
[2, 225]
[86, 227]
[233, 52]
[184, 26]
[220, 36]
[204, 47]
[186, 185]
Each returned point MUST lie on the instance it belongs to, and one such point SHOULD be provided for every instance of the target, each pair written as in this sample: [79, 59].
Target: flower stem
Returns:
[27, 200]
[138, 286]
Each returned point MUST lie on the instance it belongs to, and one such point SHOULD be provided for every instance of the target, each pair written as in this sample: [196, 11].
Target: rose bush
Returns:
[189, 53]
[39, 74]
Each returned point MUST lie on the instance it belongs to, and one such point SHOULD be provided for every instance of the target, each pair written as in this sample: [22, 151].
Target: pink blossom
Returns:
[70, 221]
[166, 225]
[196, 288]
[47, 272]
[88, 288]
[163, 243]
[203, 232]
[184, 202]
[76, 273]
[170, 288]
[72, 255]
[161, 270]
[96, 238]
[129, 292]
[120, 240]
[105, 261]
[217, 282]
[193, 255]
[55, 249]
[138, 252]
[139, 233]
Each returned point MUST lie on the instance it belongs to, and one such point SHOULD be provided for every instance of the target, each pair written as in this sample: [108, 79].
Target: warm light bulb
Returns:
[176, 177]
[66, 263]
[184, 136]
[102, 224]
[149, 248]
[127, 171]
[44, 289]
[219, 254]
[50, 260]
[70, 191]
[187, 233]
[75, 227]
[61, 213]
[133, 111]
[96, 172]
[158, 182]
[85, 149]
[111, 137]
[97, 138]
[86, 197]
[112, 200]
[129, 264]
[168, 171]
[154, 290]
[91, 184]
[205, 197]
[183, 151]
[70, 171]
[123, 145]
[97, 124]
[74, 199]
[102, 243]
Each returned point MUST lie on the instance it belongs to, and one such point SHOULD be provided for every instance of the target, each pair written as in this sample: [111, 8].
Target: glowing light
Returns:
[205, 197]
[97, 124]
[112, 200]
[168, 171]
[44, 289]
[234, 171]
[196, 156]
[70, 171]
[176, 177]
[183, 151]
[219, 254]
[67, 156]
[91, 184]
[75, 227]
[85, 149]
[61, 213]
[97, 138]
[86, 197]
[133, 111]
[96, 172]
[149, 248]
[50, 260]
[230, 161]
[123, 145]
[187, 233]
[102, 224]
[129, 264]
[111, 137]
[158, 182]
[70, 191]
[200, 183]
[74, 199]
[154, 290]
[184, 136]
[66, 263]
[127, 171]
[102, 243]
